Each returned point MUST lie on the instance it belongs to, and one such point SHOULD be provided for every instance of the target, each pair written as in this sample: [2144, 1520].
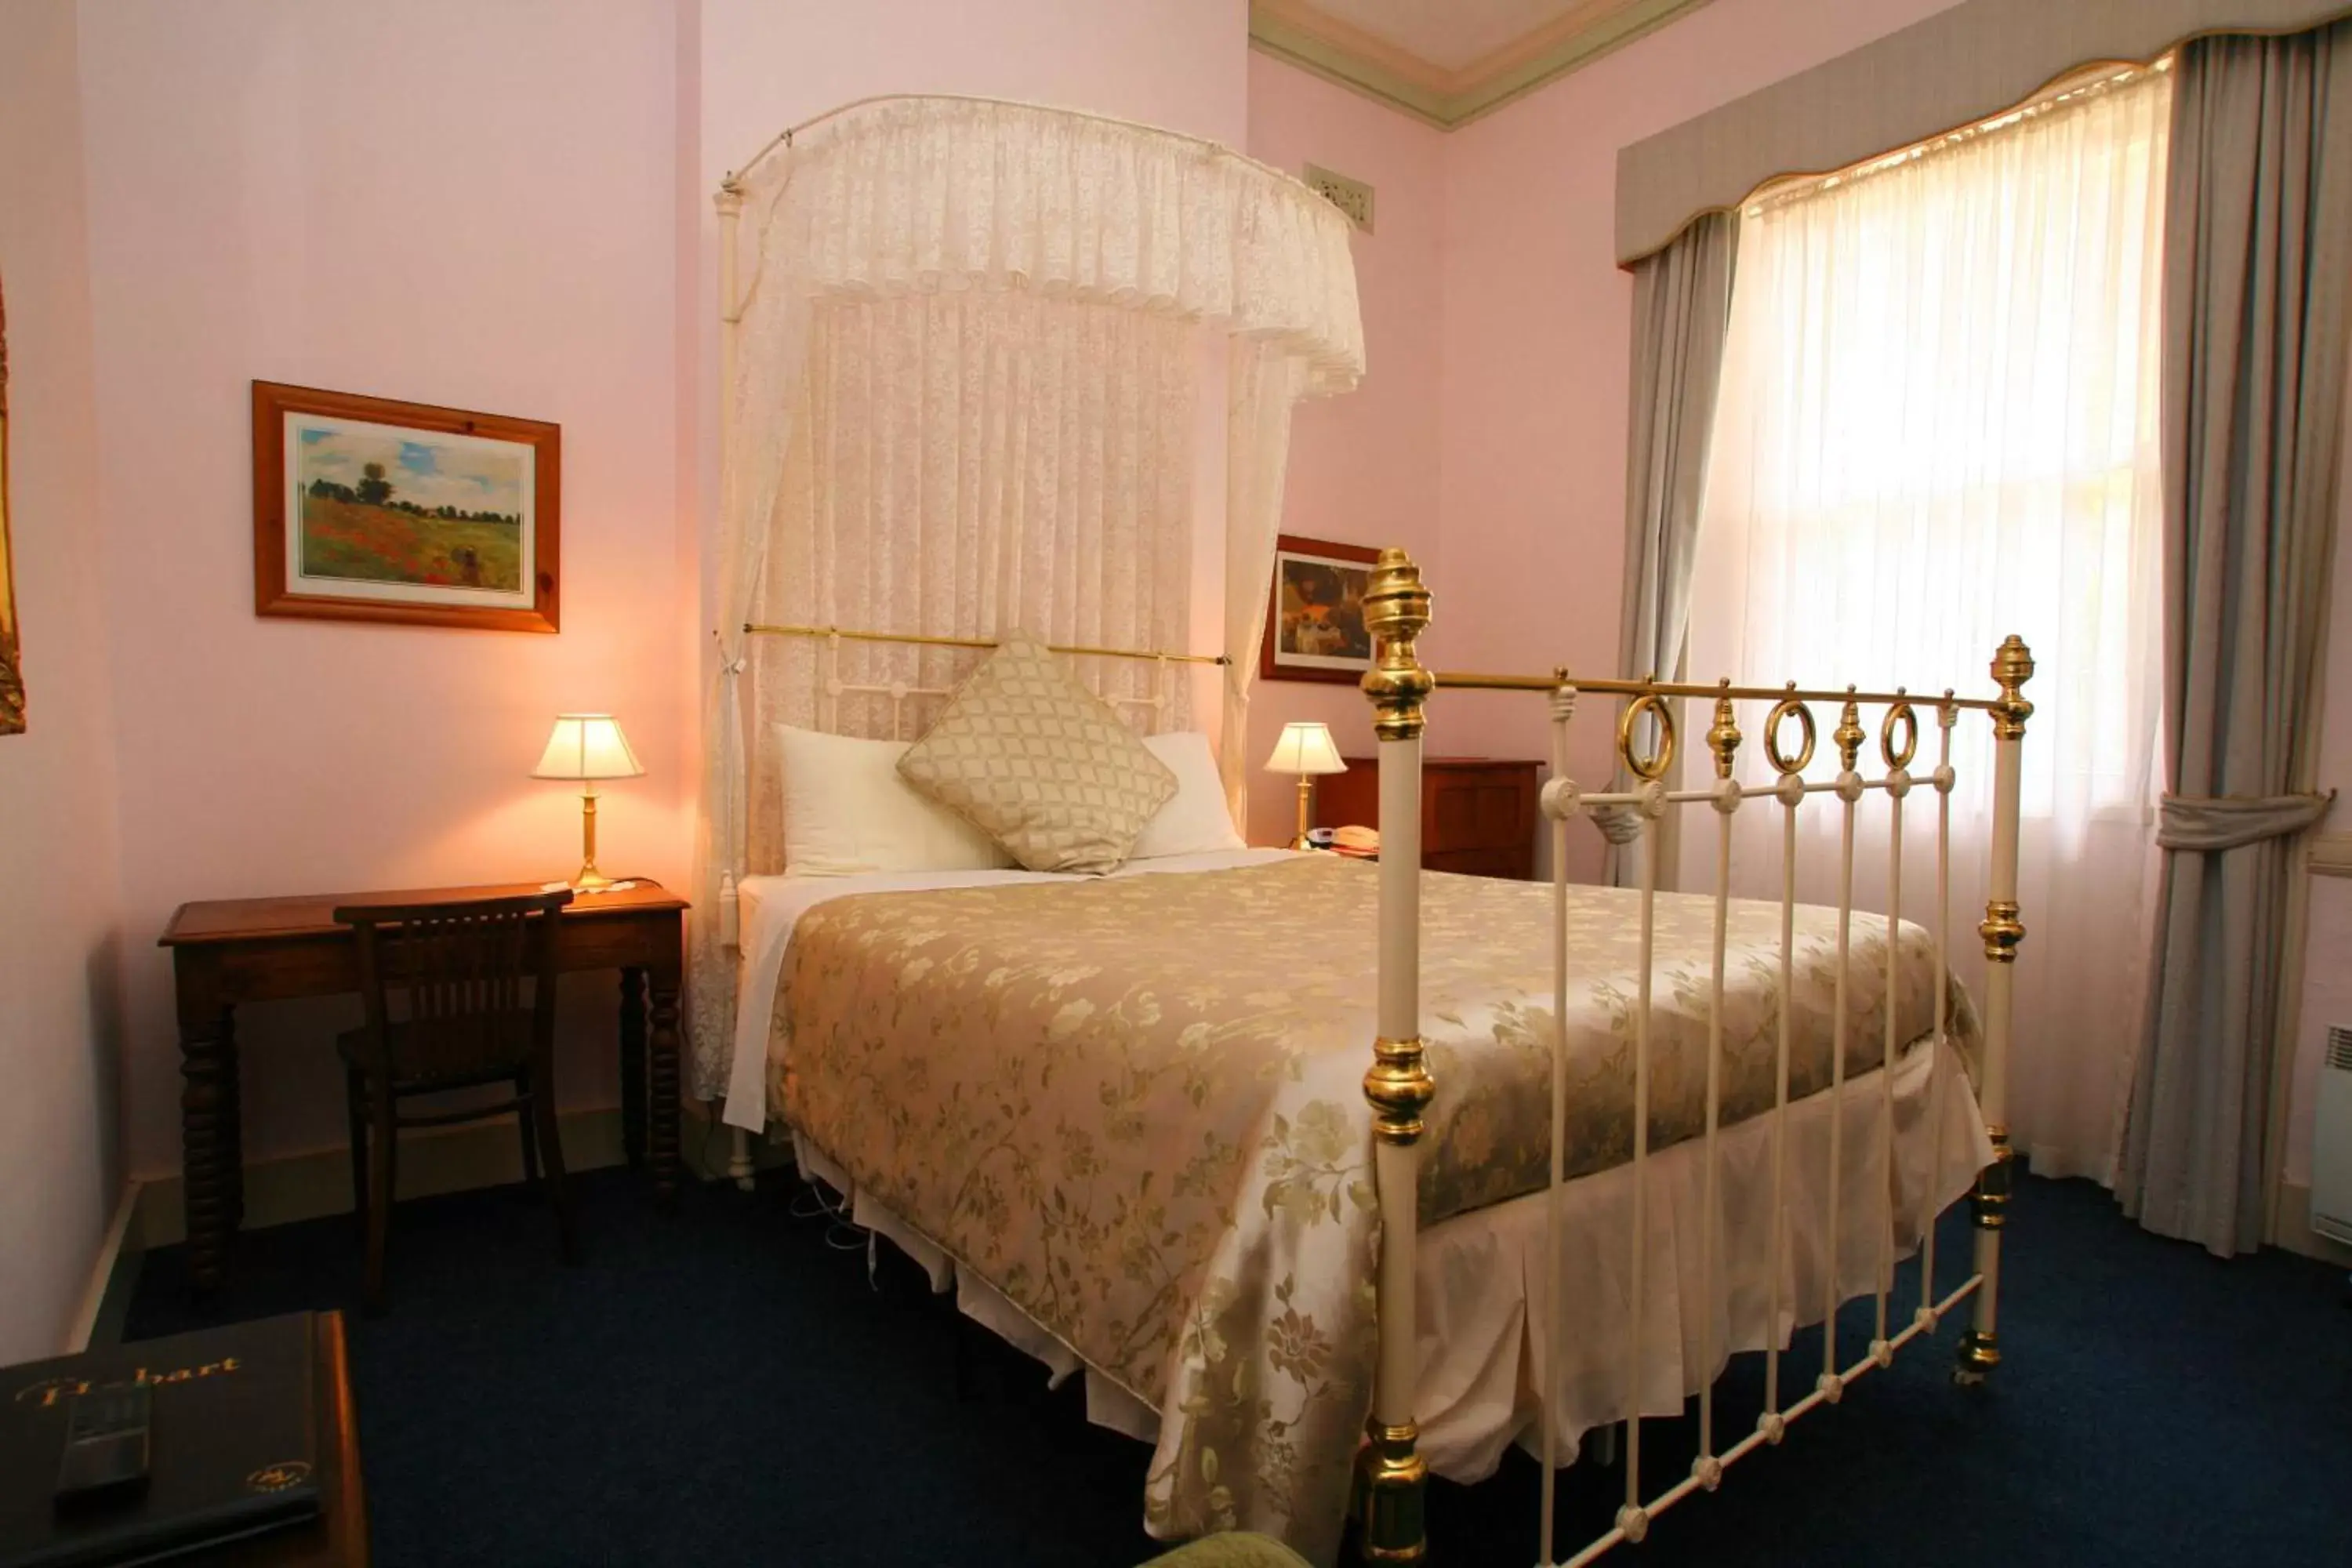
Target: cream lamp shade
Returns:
[588, 747]
[1305, 748]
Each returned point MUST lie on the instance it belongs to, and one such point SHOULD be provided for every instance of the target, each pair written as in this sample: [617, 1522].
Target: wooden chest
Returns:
[1477, 814]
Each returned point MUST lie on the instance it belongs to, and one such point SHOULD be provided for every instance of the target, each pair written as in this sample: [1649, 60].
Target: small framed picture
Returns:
[1315, 625]
[369, 509]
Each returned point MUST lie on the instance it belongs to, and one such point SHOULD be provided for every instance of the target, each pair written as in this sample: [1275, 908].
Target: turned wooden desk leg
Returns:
[209, 1153]
[233, 1113]
[633, 1066]
[662, 1143]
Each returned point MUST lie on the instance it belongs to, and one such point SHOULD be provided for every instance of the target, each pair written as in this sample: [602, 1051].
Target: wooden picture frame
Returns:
[12, 675]
[1315, 617]
[368, 508]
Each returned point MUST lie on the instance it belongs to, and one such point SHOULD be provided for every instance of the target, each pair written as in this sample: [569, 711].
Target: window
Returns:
[1938, 425]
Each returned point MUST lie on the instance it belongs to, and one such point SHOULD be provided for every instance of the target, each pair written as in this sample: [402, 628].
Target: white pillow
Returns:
[847, 811]
[1195, 819]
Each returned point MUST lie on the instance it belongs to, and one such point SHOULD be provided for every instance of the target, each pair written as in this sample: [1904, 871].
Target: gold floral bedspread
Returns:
[1134, 1106]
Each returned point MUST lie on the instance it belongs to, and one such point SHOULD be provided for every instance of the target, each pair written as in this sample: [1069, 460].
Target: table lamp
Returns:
[588, 747]
[1305, 749]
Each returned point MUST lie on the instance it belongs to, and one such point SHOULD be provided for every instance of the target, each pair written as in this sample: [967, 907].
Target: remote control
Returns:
[106, 1446]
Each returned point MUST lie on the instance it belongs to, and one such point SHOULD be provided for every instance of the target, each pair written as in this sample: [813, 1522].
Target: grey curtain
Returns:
[1682, 311]
[2258, 259]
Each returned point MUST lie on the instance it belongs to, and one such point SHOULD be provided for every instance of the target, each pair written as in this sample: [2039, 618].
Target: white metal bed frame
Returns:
[1392, 1475]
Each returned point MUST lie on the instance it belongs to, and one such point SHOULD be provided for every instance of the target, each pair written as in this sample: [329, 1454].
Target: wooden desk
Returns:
[266, 950]
[338, 1538]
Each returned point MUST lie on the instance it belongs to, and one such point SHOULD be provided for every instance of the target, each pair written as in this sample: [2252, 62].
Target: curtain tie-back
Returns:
[2206, 823]
[1621, 824]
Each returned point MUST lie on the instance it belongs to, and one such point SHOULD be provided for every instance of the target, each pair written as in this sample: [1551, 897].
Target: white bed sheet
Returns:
[769, 907]
[1480, 1277]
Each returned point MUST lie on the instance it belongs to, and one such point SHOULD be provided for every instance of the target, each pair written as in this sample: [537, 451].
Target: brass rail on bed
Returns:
[920, 640]
[1462, 680]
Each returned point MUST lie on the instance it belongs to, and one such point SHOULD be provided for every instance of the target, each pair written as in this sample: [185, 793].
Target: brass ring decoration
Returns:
[1786, 708]
[1652, 768]
[1899, 757]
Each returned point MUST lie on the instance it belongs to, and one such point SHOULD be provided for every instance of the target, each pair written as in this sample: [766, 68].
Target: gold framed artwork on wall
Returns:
[12, 676]
[367, 509]
[1315, 618]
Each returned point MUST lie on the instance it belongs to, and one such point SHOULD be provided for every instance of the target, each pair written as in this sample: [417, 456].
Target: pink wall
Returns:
[769, 63]
[58, 1159]
[441, 201]
[513, 216]
[521, 223]
[1363, 467]
[1537, 320]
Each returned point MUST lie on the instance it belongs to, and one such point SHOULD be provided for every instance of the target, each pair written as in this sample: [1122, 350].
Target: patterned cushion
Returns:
[1039, 764]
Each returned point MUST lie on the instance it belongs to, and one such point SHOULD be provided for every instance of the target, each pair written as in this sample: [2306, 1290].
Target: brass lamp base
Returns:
[590, 880]
[1305, 811]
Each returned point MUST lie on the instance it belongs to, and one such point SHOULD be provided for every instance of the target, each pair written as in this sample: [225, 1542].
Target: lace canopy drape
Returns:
[964, 375]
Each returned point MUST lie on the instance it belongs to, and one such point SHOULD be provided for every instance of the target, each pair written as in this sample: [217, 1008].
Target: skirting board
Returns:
[2295, 1232]
[317, 1184]
[108, 1295]
[2329, 854]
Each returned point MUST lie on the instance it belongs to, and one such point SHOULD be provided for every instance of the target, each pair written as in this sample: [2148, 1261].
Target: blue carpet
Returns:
[726, 1388]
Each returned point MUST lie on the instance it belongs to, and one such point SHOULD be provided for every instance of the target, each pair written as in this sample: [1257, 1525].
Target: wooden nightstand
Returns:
[1477, 814]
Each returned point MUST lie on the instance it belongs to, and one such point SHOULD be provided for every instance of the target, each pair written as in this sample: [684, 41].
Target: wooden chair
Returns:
[463, 969]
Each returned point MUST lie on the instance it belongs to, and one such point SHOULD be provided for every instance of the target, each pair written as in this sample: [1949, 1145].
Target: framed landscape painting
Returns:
[369, 509]
[12, 678]
[1314, 624]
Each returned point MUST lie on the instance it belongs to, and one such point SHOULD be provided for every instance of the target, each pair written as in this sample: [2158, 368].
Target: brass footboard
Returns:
[1397, 608]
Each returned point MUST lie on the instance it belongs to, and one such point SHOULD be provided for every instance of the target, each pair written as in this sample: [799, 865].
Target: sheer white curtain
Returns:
[966, 357]
[967, 463]
[1939, 425]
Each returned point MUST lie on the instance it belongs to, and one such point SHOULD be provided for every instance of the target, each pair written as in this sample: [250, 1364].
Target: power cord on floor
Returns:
[842, 1232]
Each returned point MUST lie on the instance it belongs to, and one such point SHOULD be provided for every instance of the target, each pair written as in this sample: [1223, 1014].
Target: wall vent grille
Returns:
[2339, 1049]
[1350, 197]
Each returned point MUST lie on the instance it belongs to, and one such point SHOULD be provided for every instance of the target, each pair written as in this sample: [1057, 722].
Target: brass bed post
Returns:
[2012, 667]
[1392, 1474]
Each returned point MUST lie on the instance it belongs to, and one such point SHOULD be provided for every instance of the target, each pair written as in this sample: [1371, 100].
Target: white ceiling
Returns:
[1448, 34]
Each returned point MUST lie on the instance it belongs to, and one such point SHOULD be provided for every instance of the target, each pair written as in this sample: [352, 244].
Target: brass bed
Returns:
[874, 1001]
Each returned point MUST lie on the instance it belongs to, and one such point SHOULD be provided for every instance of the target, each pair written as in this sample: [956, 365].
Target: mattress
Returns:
[1131, 1107]
[1484, 1355]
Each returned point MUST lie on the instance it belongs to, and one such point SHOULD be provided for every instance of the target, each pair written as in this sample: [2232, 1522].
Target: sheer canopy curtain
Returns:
[1938, 425]
[962, 362]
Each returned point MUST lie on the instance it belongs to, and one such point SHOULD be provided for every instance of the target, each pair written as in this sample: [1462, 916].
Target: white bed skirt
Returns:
[1481, 1290]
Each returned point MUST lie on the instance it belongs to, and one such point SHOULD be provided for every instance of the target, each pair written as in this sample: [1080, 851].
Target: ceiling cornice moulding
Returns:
[1297, 33]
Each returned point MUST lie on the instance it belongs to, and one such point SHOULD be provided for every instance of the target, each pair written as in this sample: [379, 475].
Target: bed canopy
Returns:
[962, 347]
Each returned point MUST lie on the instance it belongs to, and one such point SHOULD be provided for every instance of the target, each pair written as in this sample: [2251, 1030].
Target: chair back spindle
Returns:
[455, 974]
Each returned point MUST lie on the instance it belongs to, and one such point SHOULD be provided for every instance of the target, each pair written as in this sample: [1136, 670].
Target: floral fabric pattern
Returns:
[1135, 1107]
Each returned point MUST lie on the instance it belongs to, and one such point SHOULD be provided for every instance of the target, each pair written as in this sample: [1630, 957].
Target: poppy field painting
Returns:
[371, 509]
